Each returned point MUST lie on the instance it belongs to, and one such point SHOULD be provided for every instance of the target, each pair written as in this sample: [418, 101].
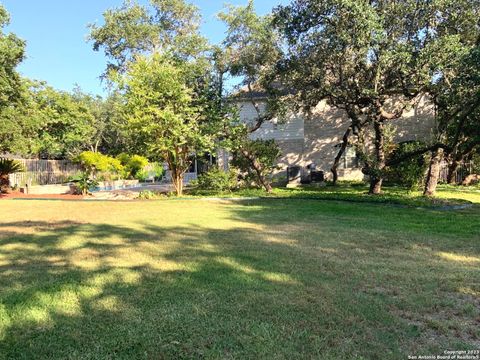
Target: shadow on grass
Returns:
[317, 280]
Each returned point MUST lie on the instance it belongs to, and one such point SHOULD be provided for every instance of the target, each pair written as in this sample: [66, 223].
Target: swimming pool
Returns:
[116, 185]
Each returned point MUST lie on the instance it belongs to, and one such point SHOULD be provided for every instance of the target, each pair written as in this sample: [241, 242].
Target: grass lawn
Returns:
[252, 279]
[447, 196]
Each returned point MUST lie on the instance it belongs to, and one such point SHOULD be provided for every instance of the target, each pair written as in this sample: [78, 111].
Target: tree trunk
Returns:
[258, 170]
[266, 184]
[375, 185]
[261, 178]
[177, 179]
[376, 176]
[433, 173]
[4, 183]
[177, 166]
[340, 153]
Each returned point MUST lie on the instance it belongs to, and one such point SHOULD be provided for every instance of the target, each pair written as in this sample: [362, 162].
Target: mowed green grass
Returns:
[269, 278]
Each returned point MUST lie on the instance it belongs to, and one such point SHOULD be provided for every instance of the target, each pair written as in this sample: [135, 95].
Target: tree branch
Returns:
[398, 160]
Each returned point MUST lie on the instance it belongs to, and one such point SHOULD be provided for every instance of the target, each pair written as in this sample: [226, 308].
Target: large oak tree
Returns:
[359, 55]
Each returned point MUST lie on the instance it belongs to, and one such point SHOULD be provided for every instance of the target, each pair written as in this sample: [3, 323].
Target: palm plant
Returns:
[84, 183]
[7, 167]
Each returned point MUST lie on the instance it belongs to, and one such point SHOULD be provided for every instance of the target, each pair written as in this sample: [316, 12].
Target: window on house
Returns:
[350, 158]
[274, 124]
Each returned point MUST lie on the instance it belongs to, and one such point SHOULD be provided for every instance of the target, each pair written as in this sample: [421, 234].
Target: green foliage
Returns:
[252, 44]
[409, 173]
[158, 170]
[133, 164]
[360, 54]
[67, 125]
[158, 60]
[142, 175]
[251, 50]
[150, 195]
[475, 159]
[136, 163]
[217, 179]
[458, 105]
[47, 123]
[106, 136]
[7, 167]
[11, 55]
[256, 159]
[154, 169]
[165, 26]
[100, 166]
[365, 52]
[162, 113]
[84, 183]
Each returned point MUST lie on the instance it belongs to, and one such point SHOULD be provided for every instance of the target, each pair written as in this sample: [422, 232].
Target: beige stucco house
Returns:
[315, 139]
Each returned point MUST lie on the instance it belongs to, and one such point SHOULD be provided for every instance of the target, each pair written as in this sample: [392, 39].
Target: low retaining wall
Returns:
[58, 189]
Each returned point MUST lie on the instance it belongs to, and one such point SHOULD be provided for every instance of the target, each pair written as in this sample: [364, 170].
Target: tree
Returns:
[250, 50]
[409, 172]
[46, 123]
[256, 159]
[363, 55]
[162, 114]
[7, 167]
[11, 55]
[18, 128]
[458, 112]
[65, 125]
[163, 33]
[107, 137]
[163, 26]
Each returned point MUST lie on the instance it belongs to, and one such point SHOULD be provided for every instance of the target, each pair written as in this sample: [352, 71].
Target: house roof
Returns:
[257, 92]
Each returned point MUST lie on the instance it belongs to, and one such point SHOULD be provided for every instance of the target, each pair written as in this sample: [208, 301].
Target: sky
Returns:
[56, 33]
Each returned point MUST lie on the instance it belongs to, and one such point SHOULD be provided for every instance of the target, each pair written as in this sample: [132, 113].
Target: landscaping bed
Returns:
[20, 195]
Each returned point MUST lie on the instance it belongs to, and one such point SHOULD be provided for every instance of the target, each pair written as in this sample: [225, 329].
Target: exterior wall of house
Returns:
[290, 129]
[288, 133]
[304, 140]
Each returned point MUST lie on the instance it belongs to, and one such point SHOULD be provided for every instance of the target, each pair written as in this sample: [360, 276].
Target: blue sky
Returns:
[56, 30]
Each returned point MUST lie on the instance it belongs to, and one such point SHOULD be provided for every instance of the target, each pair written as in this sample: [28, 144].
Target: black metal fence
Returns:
[464, 169]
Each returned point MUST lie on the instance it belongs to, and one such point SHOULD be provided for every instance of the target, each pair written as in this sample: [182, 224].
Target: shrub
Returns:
[155, 169]
[150, 195]
[265, 153]
[158, 170]
[8, 167]
[408, 173]
[216, 179]
[133, 164]
[142, 175]
[100, 166]
[84, 183]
